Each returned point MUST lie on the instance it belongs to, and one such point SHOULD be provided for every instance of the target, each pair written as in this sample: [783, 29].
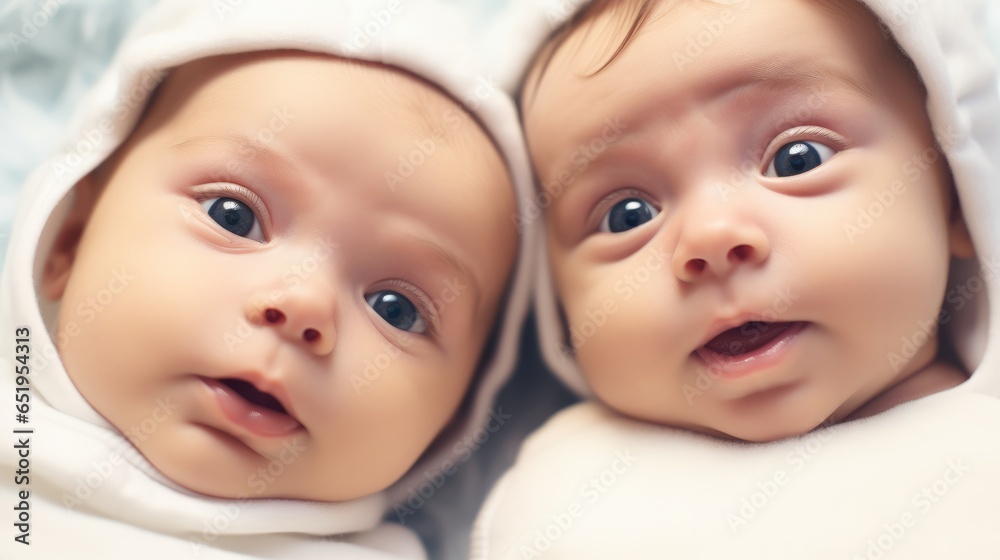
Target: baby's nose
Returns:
[713, 245]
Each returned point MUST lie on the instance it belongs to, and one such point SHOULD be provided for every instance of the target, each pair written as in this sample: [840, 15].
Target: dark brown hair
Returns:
[641, 11]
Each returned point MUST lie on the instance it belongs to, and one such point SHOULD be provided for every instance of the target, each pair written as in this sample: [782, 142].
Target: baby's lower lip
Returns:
[259, 420]
[739, 364]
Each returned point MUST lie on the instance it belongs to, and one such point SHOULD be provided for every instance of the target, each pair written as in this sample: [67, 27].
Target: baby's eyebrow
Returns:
[451, 260]
[764, 79]
[239, 146]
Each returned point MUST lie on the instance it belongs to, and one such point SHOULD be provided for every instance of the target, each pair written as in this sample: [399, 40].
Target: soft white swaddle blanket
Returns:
[918, 481]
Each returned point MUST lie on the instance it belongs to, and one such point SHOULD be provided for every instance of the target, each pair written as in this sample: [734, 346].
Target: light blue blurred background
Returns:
[51, 51]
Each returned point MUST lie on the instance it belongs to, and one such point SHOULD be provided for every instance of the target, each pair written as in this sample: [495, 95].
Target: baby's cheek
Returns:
[612, 328]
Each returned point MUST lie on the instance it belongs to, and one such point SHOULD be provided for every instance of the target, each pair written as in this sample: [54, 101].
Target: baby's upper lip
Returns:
[722, 325]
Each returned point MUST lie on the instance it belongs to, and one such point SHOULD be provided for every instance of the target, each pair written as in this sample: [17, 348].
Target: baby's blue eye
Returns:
[234, 216]
[397, 311]
[798, 157]
[628, 214]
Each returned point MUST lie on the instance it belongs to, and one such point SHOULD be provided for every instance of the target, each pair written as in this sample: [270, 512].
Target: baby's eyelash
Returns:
[610, 200]
[235, 191]
[804, 133]
[427, 307]
[628, 192]
[835, 140]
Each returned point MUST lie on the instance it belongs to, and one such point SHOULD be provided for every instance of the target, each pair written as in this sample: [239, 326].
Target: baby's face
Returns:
[750, 227]
[304, 258]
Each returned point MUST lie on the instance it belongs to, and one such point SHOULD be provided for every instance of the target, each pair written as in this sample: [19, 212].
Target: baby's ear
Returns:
[959, 240]
[59, 264]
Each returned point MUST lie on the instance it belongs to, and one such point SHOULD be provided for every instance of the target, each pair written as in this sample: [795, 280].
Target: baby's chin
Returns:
[763, 436]
[261, 487]
[763, 432]
[749, 430]
[222, 475]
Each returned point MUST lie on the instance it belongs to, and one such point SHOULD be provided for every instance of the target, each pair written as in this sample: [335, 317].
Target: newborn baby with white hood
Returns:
[767, 278]
[265, 300]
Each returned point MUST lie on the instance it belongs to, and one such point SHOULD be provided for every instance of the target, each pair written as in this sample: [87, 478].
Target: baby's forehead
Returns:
[396, 102]
[409, 100]
[421, 108]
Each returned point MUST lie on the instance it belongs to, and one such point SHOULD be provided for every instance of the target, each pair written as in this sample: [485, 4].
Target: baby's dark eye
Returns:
[234, 216]
[628, 214]
[798, 157]
[398, 311]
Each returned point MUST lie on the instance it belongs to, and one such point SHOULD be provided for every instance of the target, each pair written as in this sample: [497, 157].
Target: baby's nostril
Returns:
[310, 335]
[742, 252]
[273, 316]
[696, 265]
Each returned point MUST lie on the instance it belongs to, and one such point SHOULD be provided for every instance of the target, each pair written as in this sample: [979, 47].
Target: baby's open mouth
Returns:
[747, 337]
[258, 411]
[254, 395]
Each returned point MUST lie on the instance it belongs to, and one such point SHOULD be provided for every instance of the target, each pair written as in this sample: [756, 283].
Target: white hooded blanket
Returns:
[917, 481]
[78, 489]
